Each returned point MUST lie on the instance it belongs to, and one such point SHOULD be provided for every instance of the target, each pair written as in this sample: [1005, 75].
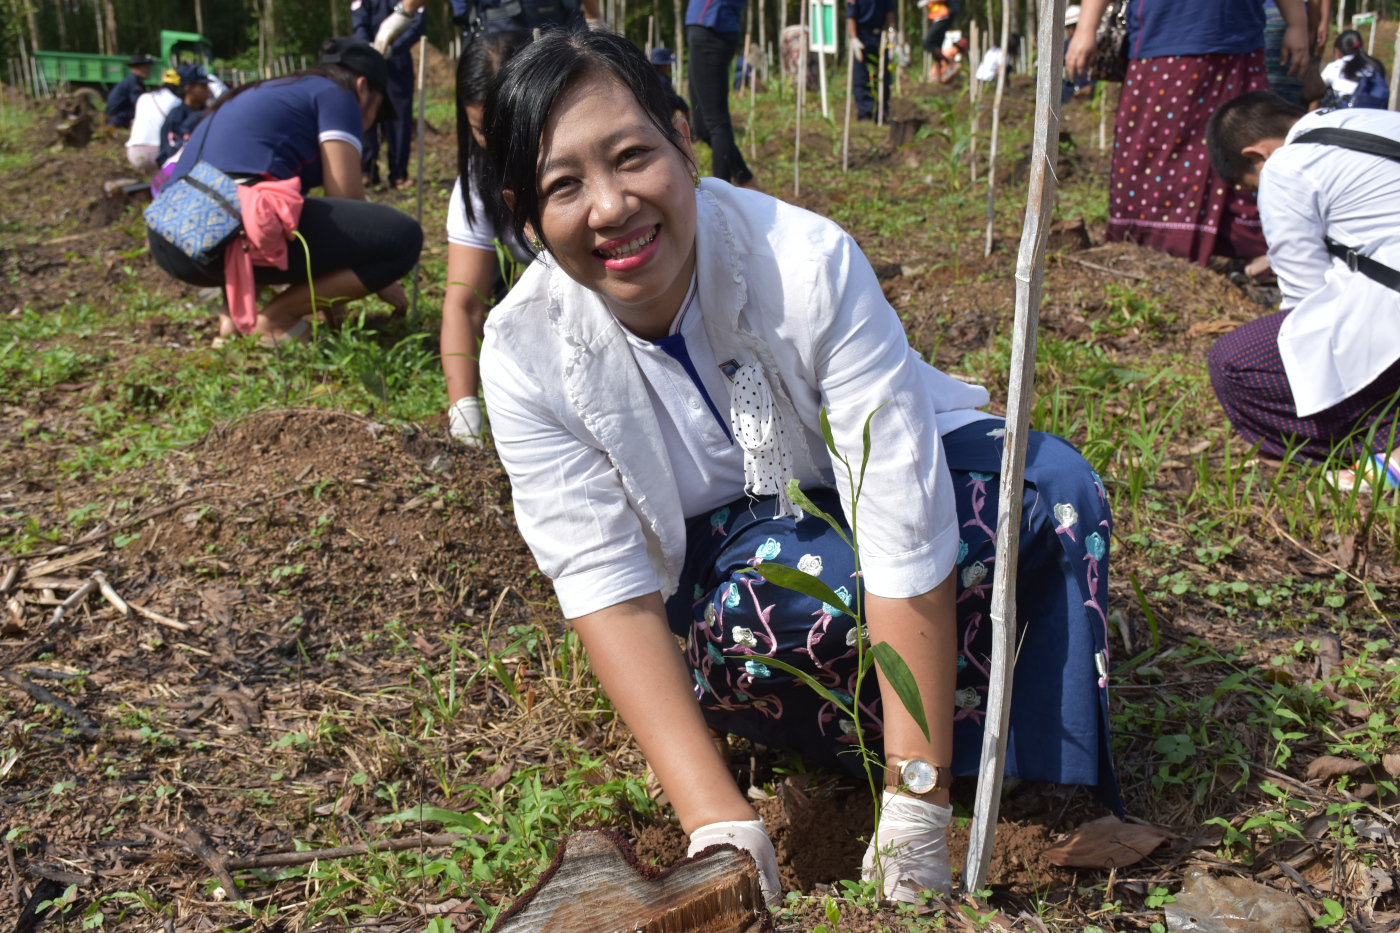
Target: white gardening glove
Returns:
[464, 421]
[913, 849]
[394, 25]
[856, 44]
[750, 836]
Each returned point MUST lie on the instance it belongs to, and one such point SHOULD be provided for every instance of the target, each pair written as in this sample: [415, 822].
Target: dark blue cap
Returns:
[662, 56]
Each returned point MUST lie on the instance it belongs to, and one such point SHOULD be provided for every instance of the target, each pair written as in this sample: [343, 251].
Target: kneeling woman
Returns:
[289, 135]
[656, 378]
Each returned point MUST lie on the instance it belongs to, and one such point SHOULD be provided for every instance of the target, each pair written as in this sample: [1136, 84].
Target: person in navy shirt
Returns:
[864, 21]
[307, 126]
[182, 119]
[121, 100]
[365, 17]
[712, 32]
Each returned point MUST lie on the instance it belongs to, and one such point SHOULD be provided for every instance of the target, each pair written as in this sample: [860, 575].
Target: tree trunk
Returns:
[113, 43]
[199, 16]
[33, 26]
[680, 47]
[62, 27]
[101, 32]
[335, 18]
[269, 26]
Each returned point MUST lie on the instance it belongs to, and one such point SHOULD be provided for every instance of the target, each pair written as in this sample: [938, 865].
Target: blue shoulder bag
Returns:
[197, 214]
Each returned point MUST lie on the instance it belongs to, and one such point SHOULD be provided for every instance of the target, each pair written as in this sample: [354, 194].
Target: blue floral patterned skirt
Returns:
[733, 620]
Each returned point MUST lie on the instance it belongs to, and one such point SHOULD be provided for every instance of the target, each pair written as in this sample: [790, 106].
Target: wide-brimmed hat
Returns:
[139, 59]
[1072, 14]
[363, 60]
[662, 56]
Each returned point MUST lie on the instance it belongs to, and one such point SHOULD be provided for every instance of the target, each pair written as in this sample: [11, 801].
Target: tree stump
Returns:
[595, 885]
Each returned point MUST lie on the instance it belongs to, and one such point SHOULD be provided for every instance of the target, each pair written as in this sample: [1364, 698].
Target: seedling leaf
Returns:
[902, 680]
[793, 579]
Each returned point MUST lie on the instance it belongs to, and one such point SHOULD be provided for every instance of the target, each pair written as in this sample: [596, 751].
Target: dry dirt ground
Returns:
[334, 618]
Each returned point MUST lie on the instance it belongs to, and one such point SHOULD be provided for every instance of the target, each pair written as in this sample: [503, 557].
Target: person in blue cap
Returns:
[184, 116]
[366, 16]
[712, 32]
[121, 100]
[663, 61]
[864, 21]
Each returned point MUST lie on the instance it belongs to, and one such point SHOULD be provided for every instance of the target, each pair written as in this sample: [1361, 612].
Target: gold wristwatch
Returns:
[918, 776]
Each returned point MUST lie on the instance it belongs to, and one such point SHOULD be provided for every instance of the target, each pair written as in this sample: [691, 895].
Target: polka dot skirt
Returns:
[1162, 190]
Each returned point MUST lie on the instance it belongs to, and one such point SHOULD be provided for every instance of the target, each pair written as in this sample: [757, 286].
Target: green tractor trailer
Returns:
[85, 72]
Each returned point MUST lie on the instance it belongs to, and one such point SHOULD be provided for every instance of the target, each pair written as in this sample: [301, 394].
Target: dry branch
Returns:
[40, 695]
[73, 601]
[109, 594]
[285, 859]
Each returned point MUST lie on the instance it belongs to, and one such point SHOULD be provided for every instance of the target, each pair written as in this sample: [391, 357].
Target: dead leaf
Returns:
[1390, 761]
[1106, 843]
[1330, 767]
[427, 647]
[1209, 328]
[498, 777]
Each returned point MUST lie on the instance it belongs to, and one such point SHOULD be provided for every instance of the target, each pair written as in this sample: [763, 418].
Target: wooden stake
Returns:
[880, 89]
[1103, 112]
[651, 33]
[850, 81]
[1395, 75]
[820, 32]
[801, 98]
[680, 45]
[1030, 274]
[974, 55]
[422, 116]
[753, 108]
[996, 124]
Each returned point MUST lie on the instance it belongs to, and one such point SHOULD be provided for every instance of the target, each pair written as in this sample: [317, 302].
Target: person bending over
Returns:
[475, 225]
[305, 129]
[940, 15]
[655, 380]
[1353, 78]
[121, 100]
[1318, 376]
[143, 145]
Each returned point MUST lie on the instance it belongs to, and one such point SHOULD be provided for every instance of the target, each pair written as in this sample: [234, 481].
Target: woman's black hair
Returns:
[524, 94]
[476, 70]
[1349, 43]
[341, 76]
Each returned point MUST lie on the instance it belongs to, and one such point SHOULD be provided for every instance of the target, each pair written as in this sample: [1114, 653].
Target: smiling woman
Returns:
[654, 382]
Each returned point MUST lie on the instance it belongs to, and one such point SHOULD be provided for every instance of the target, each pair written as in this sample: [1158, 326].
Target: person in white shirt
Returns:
[660, 381]
[143, 145]
[475, 275]
[1317, 379]
[1344, 73]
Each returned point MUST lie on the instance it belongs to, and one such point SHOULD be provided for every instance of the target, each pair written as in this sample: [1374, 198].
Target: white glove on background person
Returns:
[913, 849]
[750, 836]
[464, 421]
[394, 25]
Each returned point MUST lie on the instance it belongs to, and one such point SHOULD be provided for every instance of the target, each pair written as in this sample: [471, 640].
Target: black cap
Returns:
[191, 74]
[139, 59]
[362, 60]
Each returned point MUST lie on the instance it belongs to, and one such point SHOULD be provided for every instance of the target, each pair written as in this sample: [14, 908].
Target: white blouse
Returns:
[796, 323]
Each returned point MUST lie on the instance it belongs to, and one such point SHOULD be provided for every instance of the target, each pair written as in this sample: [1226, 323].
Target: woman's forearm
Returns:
[635, 658]
[924, 632]
[470, 276]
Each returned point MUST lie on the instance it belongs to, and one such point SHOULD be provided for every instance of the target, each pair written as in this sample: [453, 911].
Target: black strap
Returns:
[1354, 140]
[1376, 271]
[1372, 144]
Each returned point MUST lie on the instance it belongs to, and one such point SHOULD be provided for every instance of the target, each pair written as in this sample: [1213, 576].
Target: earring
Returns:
[537, 243]
[695, 178]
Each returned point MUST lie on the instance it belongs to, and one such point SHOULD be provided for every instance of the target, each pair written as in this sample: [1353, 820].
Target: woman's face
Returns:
[476, 117]
[617, 203]
[369, 100]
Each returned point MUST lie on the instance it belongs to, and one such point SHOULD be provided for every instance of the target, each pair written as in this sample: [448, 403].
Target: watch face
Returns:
[919, 775]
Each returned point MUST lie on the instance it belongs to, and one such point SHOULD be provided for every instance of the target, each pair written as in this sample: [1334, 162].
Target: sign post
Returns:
[823, 42]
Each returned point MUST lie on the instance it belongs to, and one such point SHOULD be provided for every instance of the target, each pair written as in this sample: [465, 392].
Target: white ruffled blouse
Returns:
[796, 320]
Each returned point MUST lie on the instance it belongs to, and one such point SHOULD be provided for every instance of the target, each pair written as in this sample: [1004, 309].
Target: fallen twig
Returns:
[109, 594]
[159, 619]
[284, 859]
[106, 532]
[201, 845]
[73, 601]
[40, 695]
[1094, 265]
[1365, 589]
[11, 576]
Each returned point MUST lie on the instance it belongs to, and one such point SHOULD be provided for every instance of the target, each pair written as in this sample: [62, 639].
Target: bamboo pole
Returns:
[801, 99]
[846, 132]
[819, 36]
[974, 59]
[996, 124]
[422, 117]
[763, 37]
[651, 32]
[1030, 273]
[880, 78]
[680, 45]
[1395, 75]
[753, 109]
[1103, 113]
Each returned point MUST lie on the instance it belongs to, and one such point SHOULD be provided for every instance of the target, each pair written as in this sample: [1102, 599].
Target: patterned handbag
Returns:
[1111, 43]
[197, 214]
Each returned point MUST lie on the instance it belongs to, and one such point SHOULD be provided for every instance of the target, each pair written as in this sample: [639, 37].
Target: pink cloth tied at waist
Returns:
[271, 211]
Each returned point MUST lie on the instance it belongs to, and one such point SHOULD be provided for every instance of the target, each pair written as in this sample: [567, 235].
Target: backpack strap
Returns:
[1372, 144]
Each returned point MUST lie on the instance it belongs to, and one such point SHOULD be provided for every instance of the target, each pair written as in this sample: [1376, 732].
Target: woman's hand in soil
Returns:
[912, 852]
[750, 836]
[394, 295]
